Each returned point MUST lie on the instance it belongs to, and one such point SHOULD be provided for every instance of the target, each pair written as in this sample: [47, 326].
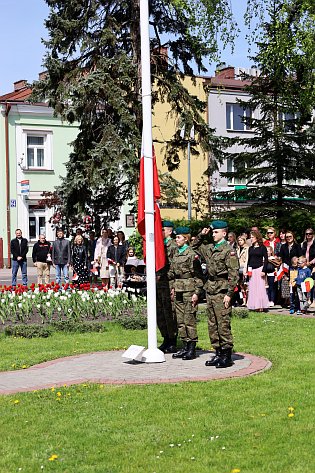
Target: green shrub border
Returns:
[136, 322]
[240, 312]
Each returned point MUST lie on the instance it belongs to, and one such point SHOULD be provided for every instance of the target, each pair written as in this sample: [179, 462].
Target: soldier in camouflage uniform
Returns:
[186, 274]
[166, 319]
[222, 264]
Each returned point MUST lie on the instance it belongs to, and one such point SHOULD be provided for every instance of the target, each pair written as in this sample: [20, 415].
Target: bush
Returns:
[240, 312]
[78, 327]
[28, 331]
[135, 242]
[44, 331]
[133, 322]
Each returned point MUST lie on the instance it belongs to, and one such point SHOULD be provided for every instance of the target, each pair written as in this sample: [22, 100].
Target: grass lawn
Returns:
[203, 427]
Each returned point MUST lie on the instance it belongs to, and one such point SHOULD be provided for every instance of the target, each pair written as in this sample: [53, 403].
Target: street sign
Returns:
[12, 203]
[25, 187]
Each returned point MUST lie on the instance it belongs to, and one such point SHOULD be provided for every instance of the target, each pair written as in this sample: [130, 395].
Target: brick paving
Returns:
[110, 368]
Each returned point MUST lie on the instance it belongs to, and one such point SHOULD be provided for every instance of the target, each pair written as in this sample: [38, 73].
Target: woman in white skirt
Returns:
[256, 272]
[100, 256]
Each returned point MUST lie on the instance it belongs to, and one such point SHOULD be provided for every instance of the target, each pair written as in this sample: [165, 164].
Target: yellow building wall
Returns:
[165, 123]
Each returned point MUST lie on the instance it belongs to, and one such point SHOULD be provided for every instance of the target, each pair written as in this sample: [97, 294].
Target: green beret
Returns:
[182, 231]
[218, 224]
[167, 223]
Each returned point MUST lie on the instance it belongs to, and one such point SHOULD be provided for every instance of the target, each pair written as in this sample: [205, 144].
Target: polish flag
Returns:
[280, 272]
[158, 235]
[305, 286]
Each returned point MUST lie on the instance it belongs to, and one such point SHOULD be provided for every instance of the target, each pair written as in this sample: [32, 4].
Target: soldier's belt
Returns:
[183, 276]
[218, 278]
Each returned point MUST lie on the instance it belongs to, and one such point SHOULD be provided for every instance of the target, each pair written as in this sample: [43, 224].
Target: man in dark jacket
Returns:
[41, 250]
[19, 249]
[61, 256]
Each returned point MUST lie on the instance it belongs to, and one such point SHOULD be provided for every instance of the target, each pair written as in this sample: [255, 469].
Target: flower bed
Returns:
[50, 303]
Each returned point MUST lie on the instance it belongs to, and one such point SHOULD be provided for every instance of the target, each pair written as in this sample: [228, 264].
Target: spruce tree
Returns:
[93, 77]
[280, 155]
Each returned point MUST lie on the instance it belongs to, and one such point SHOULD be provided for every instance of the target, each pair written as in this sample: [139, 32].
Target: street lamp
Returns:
[190, 139]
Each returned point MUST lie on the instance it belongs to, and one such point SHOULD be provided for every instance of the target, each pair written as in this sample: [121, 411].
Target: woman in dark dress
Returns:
[289, 249]
[81, 272]
[122, 239]
[116, 255]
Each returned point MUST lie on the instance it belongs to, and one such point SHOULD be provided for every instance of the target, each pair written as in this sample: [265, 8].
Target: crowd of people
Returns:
[89, 258]
[275, 269]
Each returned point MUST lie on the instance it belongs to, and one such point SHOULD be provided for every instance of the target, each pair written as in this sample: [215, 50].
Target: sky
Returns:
[22, 52]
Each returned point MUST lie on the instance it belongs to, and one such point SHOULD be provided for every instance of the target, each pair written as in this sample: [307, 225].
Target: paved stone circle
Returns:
[108, 367]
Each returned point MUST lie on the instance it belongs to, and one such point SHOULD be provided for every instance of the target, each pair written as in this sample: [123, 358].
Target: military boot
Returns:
[171, 348]
[191, 353]
[165, 344]
[225, 359]
[182, 352]
[214, 360]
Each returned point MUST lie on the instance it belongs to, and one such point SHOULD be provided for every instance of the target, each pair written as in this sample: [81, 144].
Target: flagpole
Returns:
[152, 354]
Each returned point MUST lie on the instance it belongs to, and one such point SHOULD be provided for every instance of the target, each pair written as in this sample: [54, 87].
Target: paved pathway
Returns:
[110, 368]
[6, 275]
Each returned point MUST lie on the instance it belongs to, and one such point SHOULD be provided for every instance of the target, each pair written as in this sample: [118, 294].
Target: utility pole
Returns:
[190, 139]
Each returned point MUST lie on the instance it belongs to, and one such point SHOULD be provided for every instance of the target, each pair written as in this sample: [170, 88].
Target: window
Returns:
[235, 114]
[36, 222]
[35, 151]
[294, 182]
[288, 120]
[233, 180]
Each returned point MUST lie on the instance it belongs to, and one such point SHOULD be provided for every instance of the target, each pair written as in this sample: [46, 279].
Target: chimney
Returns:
[225, 72]
[42, 75]
[20, 84]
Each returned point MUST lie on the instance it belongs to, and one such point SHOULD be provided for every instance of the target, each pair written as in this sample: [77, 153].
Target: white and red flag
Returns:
[158, 235]
[281, 271]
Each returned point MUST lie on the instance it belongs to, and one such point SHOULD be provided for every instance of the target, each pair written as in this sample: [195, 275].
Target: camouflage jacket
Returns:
[170, 249]
[222, 264]
[186, 272]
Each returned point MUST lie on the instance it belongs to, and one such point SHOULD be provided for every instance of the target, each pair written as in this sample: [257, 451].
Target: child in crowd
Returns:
[294, 299]
[303, 273]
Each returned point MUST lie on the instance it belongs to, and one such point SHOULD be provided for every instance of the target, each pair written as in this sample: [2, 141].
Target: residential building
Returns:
[225, 116]
[34, 147]
[165, 124]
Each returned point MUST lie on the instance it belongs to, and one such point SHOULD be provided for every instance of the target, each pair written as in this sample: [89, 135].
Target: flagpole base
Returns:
[153, 355]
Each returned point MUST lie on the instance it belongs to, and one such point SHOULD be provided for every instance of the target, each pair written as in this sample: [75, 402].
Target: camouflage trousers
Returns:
[186, 317]
[219, 322]
[165, 312]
